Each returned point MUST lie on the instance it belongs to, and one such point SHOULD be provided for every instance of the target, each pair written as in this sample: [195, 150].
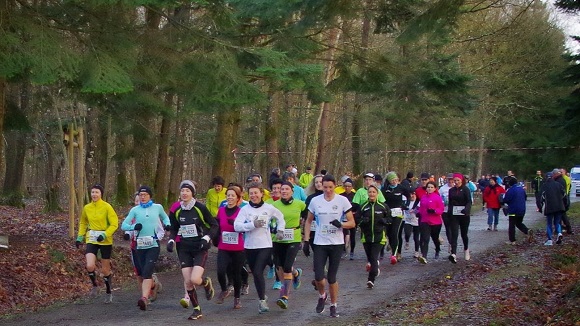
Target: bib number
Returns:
[288, 235]
[457, 210]
[144, 242]
[93, 235]
[230, 237]
[313, 225]
[396, 212]
[188, 231]
[328, 229]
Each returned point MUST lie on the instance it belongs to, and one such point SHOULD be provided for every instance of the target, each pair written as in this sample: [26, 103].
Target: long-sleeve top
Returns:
[258, 238]
[444, 192]
[396, 199]
[460, 199]
[324, 212]
[299, 193]
[553, 197]
[292, 212]
[373, 218]
[515, 198]
[491, 196]
[149, 218]
[98, 218]
[213, 200]
[362, 196]
[431, 201]
[411, 214]
[189, 226]
[229, 239]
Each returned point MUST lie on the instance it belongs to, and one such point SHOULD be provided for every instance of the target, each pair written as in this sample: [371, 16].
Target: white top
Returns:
[257, 238]
[410, 215]
[444, 192]
[325, 212]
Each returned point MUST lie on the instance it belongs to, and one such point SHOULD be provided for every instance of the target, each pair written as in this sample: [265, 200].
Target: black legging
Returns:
[393, 233]
[429, 232]
[447, 222]
[400, 237]
[411, 229]
[258, 259]
[457, 222]
[373, 250]
[230, 261]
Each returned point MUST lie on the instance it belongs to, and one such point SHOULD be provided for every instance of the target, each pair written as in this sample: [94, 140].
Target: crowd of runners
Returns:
[260, 227]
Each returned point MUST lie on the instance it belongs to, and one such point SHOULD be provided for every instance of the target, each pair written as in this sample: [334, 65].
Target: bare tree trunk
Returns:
[2, 114]
[228, 122]
[161, 176]
[177, 164]
[272, 127]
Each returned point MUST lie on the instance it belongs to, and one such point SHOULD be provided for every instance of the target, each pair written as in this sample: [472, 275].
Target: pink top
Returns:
[431, 201]
[229, 239]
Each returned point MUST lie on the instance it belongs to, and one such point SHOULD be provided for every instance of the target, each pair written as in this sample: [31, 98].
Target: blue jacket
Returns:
[515, 198]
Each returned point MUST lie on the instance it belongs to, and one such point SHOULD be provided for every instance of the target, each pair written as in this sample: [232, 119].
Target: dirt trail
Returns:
[355, 299]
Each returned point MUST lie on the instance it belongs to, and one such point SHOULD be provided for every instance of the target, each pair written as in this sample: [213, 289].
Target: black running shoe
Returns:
[195, 315]
[321, 303]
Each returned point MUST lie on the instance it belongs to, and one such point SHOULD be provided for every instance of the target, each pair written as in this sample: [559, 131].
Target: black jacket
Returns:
[373, 219]
[553, 197]
[460, 197]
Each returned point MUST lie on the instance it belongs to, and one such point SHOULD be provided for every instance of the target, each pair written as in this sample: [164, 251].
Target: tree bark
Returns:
[177, 164]
[228, 122]
[162, 172]
[271, 130]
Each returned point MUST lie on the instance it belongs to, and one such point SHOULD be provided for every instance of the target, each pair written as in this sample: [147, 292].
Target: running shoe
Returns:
[399, 257]
[407, 245]
[510, 243]
[184, 302]
[270, 272]
[230, 290]
[530, 235]
[393, 260]
[263, 306]
[370, 284]
[154, 289]
[296, 279]
[245, 289]
[282, 302]
[142, 303]
[196, 314]
[222, 296]
[352, 256]
[559, 241]
[109, 298]
[277, 285]
[548, 243]
[422, 260]
[321, 303]
[436, 254]
[416, 254]
[208, 287]
[467, 255]
[237, 303]
[333, 313]
[453, 258]
[368, 267]
[93, 292]
[441, 241]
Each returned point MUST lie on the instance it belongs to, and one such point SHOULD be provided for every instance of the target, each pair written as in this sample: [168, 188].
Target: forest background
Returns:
[132, 92]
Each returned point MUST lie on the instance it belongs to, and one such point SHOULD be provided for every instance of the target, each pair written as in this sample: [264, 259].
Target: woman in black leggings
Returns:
[459, 216]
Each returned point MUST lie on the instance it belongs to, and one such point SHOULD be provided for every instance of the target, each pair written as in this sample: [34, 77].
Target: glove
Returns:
[138, 227]
[259, 223]
[204, 245]
[336, 223]
[126, 237]
[170, 245]
[230, 222]
[431, 211]
[167, 227]
[306, 248]
[79, 241]
[101, 238]
[280, 235]
[462, 211]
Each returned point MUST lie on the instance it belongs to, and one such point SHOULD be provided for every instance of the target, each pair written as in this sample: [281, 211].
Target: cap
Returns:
[424, 175]
[344, 178]
[449, 175]
[369, 175]
[308, 168]
[146, 189]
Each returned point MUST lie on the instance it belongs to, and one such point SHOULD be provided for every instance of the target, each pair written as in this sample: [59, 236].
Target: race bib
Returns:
[188, 231]
[230, 237]
[396, 212]
[328, 229]
[144, 242]
[93, 235]
[313, 225]
[457, 210]
[288, 235]
[265, 219]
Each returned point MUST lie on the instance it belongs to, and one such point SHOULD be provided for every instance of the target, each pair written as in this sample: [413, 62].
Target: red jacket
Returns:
[491, 196]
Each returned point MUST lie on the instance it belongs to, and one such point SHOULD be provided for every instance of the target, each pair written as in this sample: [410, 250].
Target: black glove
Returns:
[204, 245]
[100, 238]
[126, 237]
[230, 222]
[138, 227]
[170, 245]
[306, 248]
[431, 211]
[78, 244]
[462, 211]
[336, 223]
[167, 227]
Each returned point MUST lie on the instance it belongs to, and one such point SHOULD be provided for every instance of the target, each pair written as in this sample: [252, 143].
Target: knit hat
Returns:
[458, 175]
[378, 177]
[146, 189]
[391, 176]
[187, 184]
[410, 175]
[347, 180]
[100, 187]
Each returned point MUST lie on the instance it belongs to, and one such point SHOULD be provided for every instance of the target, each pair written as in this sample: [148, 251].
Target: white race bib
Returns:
[188, 231]
[144, 242]
[93, 235]
[230, 237]
[328, 229]
[288, 235]
[457, 210]
[396, 212]
[313, 226]
[265, 219]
